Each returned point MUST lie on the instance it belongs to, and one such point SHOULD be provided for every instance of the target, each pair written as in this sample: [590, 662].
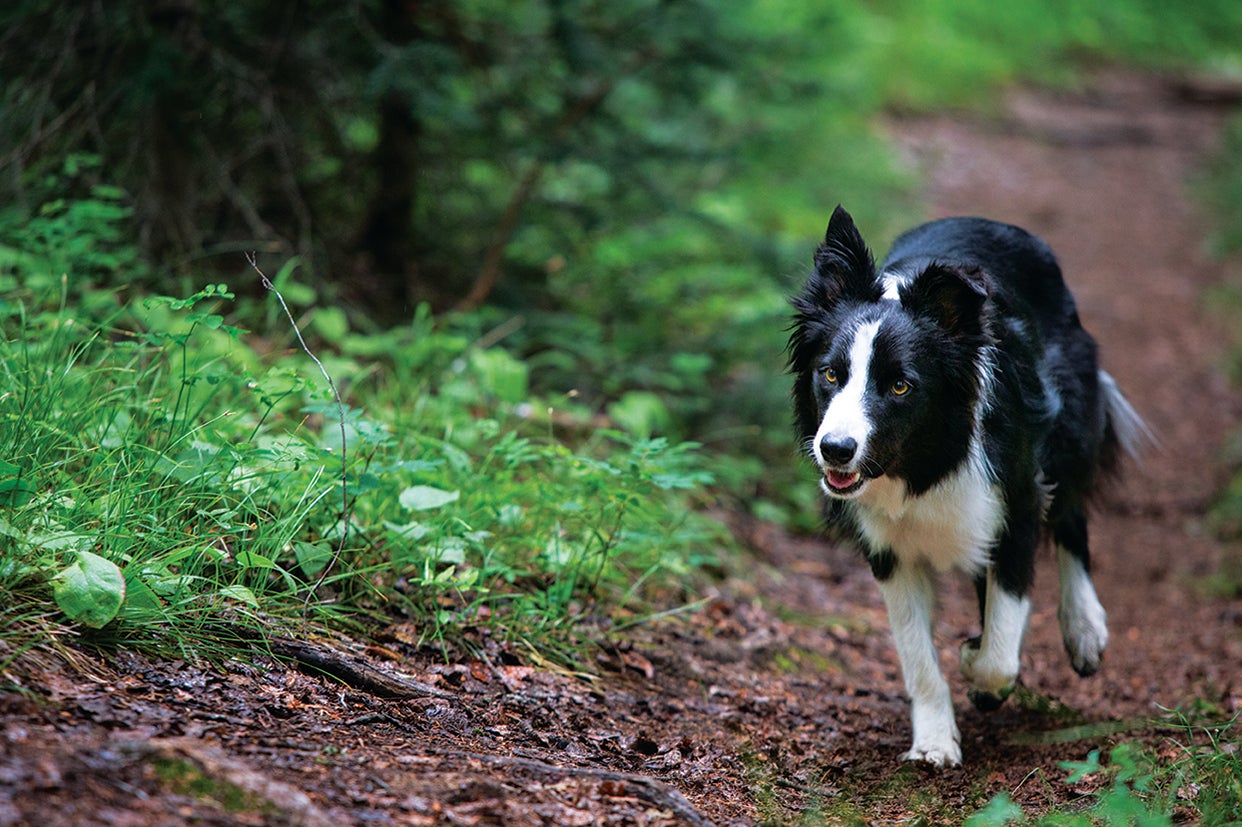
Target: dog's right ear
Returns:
[844, 267]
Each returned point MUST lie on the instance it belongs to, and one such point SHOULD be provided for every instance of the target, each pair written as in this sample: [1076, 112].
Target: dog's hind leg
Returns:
[908, 596]
[1083, 621]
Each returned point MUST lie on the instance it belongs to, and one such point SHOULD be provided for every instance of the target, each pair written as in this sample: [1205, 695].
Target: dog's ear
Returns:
[844, 267]
[953, 297]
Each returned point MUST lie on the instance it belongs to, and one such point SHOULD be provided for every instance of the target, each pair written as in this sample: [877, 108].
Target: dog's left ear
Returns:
[953, 297]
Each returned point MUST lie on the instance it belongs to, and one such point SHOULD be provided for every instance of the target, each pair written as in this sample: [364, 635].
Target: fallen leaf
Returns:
[480, 672]
[638, 663]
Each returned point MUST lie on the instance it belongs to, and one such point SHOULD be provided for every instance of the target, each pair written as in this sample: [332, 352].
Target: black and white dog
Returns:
[957, 413]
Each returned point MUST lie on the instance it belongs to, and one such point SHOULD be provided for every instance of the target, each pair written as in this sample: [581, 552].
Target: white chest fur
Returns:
[952, 525]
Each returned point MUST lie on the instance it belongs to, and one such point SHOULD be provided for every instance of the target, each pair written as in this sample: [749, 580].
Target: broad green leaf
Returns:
[139, 598]
[451, 550]
[331, 323]
[90, 591]
[250, 560]
[312, 557]
[241, 594]
[426, 497]
[409, 531]
[501, 375]
[1001, 810]
[1078, 770]
[15, 492]
[640, 413]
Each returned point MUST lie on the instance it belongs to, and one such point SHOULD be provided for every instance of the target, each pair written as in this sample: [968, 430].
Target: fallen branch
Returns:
[352, 671]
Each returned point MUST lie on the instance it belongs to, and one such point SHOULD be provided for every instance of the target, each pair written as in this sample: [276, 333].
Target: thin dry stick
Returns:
[340, 408]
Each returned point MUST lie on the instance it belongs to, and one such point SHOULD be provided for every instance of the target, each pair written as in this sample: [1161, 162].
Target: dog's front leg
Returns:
[991, 662]
[908, 596]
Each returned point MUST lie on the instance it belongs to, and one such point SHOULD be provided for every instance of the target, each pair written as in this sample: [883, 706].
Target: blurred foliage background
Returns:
[627, 189]
[589, 207]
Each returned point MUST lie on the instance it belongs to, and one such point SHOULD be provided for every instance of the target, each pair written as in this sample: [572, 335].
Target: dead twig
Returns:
[340, 407]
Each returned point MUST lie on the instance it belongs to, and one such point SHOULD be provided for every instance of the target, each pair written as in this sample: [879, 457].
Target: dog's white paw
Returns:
[938, 755]
[1084, 623]
[935, 737]
[987, 673]
[1085, 634]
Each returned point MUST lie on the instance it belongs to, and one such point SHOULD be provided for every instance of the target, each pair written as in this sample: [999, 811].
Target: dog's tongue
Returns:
[839, 480]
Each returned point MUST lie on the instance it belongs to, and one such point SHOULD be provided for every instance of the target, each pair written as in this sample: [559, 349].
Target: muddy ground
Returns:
[781, 695]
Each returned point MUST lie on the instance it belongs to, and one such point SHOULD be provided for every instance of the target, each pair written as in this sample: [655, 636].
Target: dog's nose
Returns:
[838, 451]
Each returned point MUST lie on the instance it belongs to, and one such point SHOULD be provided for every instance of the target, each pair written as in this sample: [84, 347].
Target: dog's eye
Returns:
[830, 376]
[901, 387]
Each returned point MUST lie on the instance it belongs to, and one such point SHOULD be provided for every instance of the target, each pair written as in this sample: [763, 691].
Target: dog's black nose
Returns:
[838, 451]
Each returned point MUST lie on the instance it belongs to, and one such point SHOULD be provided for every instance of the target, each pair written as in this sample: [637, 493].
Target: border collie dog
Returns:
[957, 414]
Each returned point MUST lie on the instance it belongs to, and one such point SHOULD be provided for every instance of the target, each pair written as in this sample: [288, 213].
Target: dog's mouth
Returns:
[842, 483]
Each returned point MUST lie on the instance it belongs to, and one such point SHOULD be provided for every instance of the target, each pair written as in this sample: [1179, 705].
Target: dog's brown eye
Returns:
[901, 387]
[830, 375]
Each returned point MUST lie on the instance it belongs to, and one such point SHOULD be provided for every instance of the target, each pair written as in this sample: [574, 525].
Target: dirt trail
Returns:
[783, 692]
[1103, 178]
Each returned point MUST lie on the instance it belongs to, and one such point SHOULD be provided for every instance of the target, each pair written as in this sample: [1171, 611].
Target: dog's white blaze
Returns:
[1084, 623]
[951, 526]
[993, 667]
[846, 416]
[908, 596]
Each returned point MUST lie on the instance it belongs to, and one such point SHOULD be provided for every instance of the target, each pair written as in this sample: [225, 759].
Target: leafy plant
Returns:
[1145, 788]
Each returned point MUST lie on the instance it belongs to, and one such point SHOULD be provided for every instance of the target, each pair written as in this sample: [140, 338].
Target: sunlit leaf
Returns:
[241, 594]
[426, 497]
[90, 591]
[251, 560]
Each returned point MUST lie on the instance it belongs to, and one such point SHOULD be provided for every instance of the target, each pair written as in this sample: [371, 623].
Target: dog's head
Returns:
[888, 367]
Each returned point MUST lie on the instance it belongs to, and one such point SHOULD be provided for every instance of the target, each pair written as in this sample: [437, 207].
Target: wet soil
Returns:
[781, 694]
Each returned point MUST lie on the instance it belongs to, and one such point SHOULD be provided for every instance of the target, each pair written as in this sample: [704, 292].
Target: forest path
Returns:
[782, 692]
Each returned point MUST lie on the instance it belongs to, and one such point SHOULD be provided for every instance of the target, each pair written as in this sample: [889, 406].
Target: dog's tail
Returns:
[1124, 429]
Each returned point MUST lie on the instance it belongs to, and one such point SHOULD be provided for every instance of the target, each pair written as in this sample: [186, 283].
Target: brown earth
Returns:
[781, 694]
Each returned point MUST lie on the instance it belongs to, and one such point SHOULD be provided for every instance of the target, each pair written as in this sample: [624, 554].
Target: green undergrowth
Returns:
[163, 471]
